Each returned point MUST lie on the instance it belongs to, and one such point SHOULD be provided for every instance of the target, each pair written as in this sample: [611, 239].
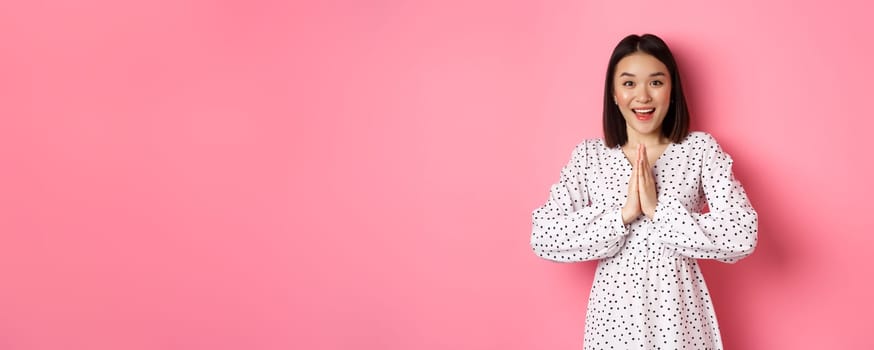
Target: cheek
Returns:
[622, 97]
[666, 92]
[662, 97]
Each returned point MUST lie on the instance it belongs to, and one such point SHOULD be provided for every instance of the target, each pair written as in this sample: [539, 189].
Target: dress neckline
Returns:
[654, 164]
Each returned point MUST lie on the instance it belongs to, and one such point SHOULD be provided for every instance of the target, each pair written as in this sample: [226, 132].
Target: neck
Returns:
[652, 139]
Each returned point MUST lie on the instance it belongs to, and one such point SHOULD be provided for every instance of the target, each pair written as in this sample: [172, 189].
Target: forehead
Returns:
[640, 64]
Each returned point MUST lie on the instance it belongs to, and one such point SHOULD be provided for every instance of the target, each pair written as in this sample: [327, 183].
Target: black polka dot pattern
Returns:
[648, 292]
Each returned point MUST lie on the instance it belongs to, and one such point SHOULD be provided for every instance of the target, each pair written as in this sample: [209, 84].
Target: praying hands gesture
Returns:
[641, 189]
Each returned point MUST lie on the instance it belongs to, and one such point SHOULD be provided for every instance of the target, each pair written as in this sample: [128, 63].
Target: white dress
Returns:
[648, 291]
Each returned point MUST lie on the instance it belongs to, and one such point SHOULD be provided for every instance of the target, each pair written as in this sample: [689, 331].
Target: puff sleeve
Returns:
[728, 232]
[568, 227]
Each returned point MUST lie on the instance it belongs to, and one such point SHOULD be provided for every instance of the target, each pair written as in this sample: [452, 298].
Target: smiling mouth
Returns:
[643, 113]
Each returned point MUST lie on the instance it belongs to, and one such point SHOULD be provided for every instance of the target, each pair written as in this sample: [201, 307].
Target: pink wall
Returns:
[258, 175]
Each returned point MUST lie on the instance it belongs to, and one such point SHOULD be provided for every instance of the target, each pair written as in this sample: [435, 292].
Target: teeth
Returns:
[644, 110]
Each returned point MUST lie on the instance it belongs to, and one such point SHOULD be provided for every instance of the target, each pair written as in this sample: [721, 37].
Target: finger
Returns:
[639, 152]
[645, 179]
[644, 167]
[640, 171]
[645, 157]
[639, 180]
[647, 168]
[648, 174]
[640, 156]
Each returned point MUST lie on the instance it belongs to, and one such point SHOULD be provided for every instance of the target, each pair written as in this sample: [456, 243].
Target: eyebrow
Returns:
[652, 75]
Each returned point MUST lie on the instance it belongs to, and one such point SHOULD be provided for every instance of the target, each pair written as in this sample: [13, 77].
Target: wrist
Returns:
[627, 216]
[650, 213]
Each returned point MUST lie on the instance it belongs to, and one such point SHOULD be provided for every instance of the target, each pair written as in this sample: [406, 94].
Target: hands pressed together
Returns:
[641, 189]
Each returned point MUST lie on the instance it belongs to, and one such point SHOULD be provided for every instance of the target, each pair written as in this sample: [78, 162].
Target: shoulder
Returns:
[592, 142]
[593, 145]
[588, 149]
[707, 148]
[700, 138]
[701, 141]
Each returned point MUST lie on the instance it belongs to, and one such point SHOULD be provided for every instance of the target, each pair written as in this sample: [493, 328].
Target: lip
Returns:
[643, 117]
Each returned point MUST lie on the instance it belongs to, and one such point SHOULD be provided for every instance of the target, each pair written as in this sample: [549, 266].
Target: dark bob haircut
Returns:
[676, 123]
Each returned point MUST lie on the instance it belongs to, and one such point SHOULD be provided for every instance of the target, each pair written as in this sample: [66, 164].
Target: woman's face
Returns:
[642, 91]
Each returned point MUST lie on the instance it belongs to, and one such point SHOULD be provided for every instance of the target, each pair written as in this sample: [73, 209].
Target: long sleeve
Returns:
[727, 233]
[568, 228]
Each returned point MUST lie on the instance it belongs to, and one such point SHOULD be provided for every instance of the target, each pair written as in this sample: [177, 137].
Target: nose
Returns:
[644, 96]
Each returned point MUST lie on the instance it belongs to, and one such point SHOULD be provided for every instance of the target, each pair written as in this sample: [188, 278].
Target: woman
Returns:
[634, 201]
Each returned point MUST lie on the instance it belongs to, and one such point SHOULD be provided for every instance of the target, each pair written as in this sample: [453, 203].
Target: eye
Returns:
[628, 83]
[657, 83]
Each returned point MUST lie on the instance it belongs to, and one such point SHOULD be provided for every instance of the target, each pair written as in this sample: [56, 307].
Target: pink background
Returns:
[265, 175]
